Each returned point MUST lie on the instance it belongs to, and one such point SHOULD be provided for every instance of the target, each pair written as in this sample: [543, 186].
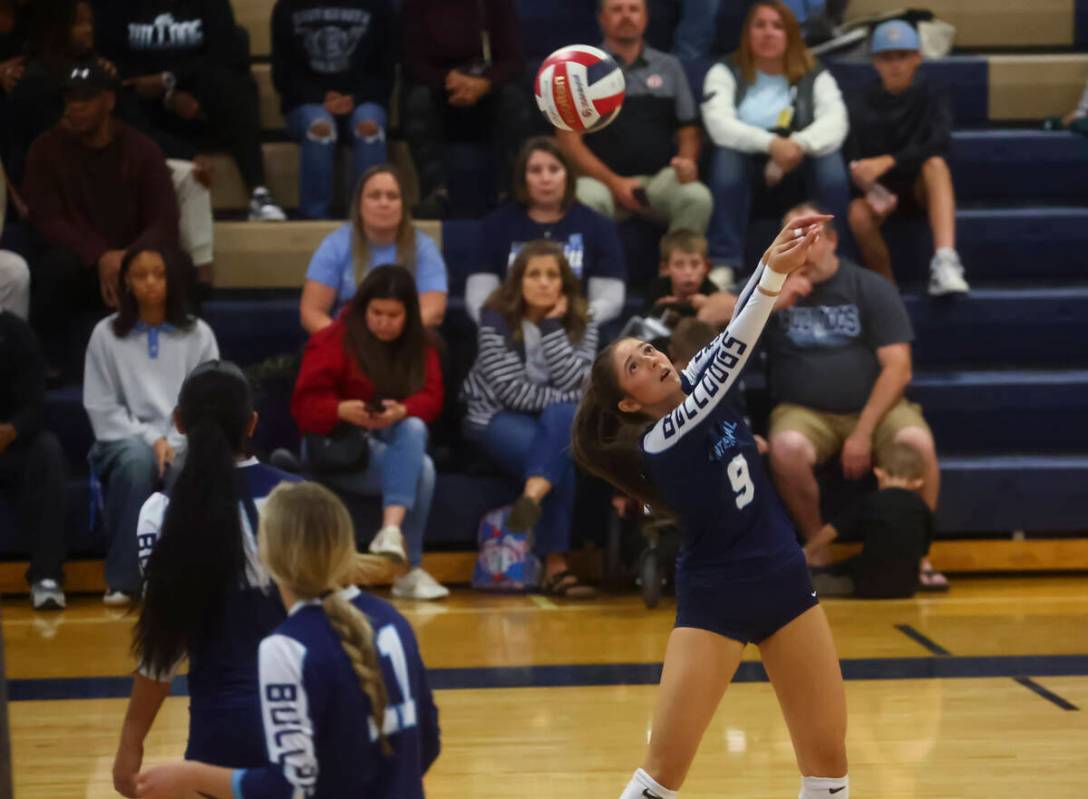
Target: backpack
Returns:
[506, 561]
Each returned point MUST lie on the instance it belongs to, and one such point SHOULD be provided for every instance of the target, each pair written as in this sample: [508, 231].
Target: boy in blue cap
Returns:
[900, 128]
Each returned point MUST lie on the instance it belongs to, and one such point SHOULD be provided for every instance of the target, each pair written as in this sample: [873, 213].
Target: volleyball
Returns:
[579, 88]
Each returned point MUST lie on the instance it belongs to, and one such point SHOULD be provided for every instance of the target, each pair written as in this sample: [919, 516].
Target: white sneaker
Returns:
[262, 209]
[116, 599]
[389, 543]
[946, 274]
[417, 584]
[47, 595]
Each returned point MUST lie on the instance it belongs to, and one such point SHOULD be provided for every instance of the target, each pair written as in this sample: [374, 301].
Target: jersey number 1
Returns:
[398, 716]
[741, 481]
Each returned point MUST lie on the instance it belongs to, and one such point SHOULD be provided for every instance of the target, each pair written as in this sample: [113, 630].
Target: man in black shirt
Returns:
[31, 461]
[899, 134]
[840, 360]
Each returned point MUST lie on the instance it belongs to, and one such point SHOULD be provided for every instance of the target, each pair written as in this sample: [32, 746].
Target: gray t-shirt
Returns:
[823, 349]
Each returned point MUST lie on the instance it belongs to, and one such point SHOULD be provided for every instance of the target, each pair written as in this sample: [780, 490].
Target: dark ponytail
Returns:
[199, 556]
[607, 441]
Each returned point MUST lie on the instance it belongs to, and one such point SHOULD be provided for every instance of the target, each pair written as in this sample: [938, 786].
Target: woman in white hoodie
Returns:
[137, 360]
[770, 109]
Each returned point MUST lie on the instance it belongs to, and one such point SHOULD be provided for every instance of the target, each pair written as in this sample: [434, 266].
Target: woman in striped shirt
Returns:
[535, 348]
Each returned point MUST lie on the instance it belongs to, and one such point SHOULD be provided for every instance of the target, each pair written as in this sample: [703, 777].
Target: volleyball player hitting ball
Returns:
[667, 439]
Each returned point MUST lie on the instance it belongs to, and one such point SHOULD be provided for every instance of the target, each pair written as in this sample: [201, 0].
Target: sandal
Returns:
[566, 584]
[931, 580]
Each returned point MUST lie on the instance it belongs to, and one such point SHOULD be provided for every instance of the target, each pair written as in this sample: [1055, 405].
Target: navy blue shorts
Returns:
[228, 737]
[750, 608]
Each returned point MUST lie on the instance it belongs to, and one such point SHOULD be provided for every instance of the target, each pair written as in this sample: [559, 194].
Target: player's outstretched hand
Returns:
[789, 232]
[789, 256]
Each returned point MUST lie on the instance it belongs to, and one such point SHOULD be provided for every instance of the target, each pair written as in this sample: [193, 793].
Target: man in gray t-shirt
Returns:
[840, 361]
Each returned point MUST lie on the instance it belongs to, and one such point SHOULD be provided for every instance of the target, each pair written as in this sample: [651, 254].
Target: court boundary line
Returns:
[591, 675]
[1021, 679]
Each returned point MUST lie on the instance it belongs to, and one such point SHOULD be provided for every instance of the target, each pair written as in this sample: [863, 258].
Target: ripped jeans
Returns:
[318, 153]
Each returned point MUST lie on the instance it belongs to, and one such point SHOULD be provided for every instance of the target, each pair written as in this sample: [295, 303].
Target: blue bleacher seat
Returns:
[986, 493]
[1004, 411]
[1019, 165]
[1002, 326]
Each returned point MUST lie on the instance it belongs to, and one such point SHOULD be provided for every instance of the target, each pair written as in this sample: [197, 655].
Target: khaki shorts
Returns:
[828, 431]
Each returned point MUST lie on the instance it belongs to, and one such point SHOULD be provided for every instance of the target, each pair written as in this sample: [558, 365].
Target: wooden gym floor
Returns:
[979, 693]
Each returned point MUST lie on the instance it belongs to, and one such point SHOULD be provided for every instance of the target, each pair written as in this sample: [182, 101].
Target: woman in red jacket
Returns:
[377, 368]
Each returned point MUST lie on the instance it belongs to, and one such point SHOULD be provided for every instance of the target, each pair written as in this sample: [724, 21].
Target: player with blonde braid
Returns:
[346, 706]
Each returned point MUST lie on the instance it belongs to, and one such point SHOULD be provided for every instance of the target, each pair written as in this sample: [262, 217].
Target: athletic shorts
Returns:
[748, 609]
[228, 737]
[828, 431]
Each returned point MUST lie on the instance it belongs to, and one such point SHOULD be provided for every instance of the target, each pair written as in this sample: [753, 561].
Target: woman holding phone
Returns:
[376, 368]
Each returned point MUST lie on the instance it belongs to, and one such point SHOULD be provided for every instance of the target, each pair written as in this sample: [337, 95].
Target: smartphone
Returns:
[375, 405]
[642, 197]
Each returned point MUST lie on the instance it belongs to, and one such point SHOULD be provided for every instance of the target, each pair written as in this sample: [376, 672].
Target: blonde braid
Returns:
[357, 637]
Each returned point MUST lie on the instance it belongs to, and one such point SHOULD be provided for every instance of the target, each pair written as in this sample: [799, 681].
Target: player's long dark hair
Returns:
[199, 555]
[606, 440]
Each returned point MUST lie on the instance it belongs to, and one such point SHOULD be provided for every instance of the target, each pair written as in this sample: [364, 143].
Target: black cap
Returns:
[86, 79]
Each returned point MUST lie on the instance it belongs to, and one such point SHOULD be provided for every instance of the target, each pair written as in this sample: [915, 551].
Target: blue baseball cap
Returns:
[895, 34]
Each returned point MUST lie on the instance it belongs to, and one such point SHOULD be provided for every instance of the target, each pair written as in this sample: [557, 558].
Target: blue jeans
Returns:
[526, 445]
[126, 470]
[696, 30]
[401, 473]
[318, 155]
[731, 182]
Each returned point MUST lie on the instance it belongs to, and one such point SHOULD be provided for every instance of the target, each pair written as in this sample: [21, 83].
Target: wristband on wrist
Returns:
[771, 281]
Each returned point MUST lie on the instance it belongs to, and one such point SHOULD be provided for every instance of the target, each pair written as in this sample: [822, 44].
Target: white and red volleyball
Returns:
[579, 88]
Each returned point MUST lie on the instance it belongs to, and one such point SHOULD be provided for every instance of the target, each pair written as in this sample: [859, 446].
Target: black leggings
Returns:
[501, 117]
[230, 117]
[32, 475]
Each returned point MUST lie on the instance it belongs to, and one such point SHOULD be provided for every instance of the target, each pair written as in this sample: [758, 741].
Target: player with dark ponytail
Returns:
[206, 596]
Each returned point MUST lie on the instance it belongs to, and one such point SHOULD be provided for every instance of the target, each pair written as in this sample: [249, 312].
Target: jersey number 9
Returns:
[741, 481]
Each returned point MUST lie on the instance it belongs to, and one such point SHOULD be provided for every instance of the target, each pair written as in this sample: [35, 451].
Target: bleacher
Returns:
[1002, 374]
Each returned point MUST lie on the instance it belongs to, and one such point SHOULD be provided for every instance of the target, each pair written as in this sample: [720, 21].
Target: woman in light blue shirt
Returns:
[379, 231]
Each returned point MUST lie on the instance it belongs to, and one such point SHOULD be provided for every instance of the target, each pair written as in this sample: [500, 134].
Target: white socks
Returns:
[643, 786]
[825, 788]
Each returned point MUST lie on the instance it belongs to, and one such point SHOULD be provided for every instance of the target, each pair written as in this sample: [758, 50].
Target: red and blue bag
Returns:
[506, 561]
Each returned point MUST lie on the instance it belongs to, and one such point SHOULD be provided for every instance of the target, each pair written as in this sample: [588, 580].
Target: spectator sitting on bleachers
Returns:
[14, 273]
[840, 359]
[185, 60]
[536, 345]
[900, 131]
[646, 160]
[378, 355]
[683, 287]
[379, 231]
[32, 471]
[333, 64]
[137, 360]
[893, 523]
[545, 208]
[37, 101]
[462, 62]
[771, 109]
[94, 187]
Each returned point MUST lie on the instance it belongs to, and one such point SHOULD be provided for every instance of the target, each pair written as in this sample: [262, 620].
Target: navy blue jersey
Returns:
[703, 460]
[321, 737]
[224, 705]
